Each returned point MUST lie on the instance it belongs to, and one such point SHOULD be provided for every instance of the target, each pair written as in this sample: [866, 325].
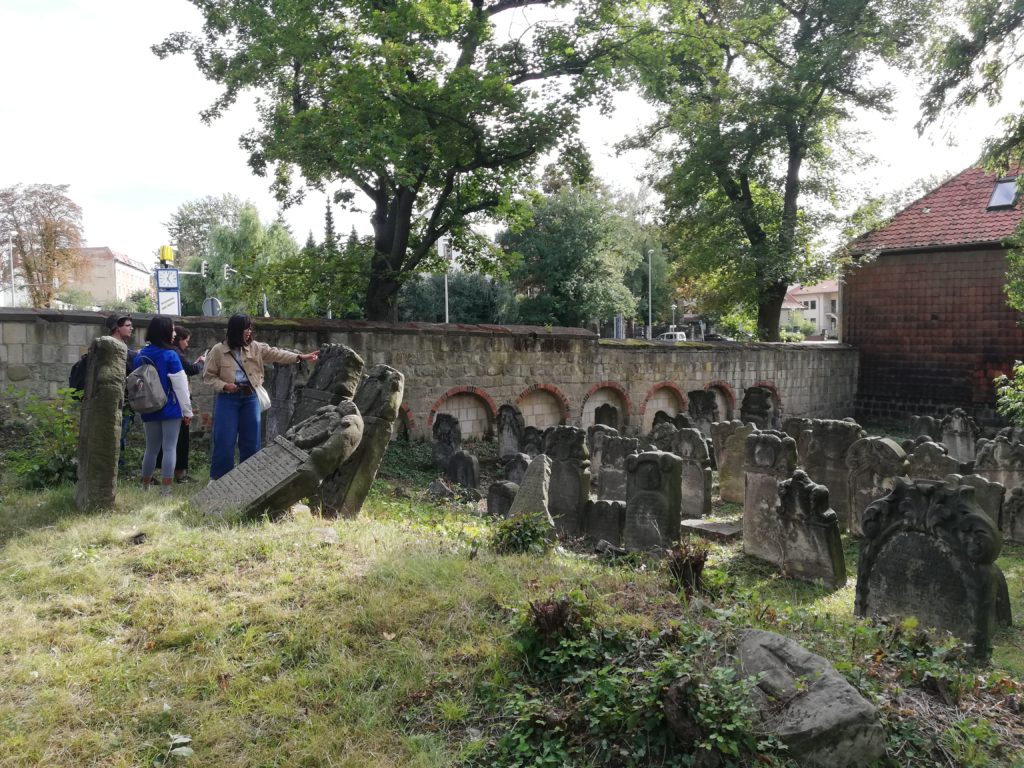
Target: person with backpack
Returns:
[158, 389]
[234, 369]
[182, 336]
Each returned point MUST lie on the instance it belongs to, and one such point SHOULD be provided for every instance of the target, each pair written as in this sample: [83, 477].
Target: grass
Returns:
[384, 641]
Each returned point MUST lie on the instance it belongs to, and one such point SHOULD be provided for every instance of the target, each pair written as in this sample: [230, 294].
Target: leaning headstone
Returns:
[929, 461]
[927, 426]
[289, 469]
[570, 477]
[596, 437]
[607, 415]
[1012, 521]
[808, 541]
[959, 434]
[695, 492]
[334, 378]
[447, 440]
[509, 424]
[533, 496]
[280, 385]
[99, 431]
[515, 468]
[873, 464]
[730, 444]
[500, 496]
[604, 519]
[989, 495]
[533, 441]
[652, 503]
[767, 460]
[703, 408]
[759, 408]
[464, 469]
[929, 552]
[824, 459]
[662, 435]
[379, 398]
[611, 483]
[1001, 461]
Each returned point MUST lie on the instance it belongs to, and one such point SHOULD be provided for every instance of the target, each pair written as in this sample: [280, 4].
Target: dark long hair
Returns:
[160, 332]
[236, 330]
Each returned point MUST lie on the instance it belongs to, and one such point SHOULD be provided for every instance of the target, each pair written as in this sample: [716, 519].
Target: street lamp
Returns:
[10, 260]
[650, 296]
[674, 315]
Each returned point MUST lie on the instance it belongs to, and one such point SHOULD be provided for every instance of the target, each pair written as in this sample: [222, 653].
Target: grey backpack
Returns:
[143, 390]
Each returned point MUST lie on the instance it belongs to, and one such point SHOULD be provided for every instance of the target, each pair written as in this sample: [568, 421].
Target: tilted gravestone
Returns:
[759, 408]
[929, 552]
[824, 460]
[1012, 521]
[927, 426]
[464, 469]
[533, 441]
[930, 461]
[334, 378]
[959, 435]
[447, 440]
[873, 463]
[607, 415]
[596, 437]
[703, 409]
[99, 430]
[730, 439]
[604, 520]
[662, 435]
[533, 497]
[280, 385]
[291, 468]
[768, 459]
[510, 425]
[611, 483]
[500, 496]
[1001, 461]
[987, 494]
[695, 491]
[570, 477]
[807, 541]
[652, 501]
[379, 398]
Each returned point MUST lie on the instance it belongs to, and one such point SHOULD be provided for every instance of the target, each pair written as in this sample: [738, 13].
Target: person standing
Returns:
[162, 427]
[233, 369]
[182, 335]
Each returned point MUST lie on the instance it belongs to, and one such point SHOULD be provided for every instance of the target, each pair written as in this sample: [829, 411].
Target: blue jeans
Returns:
[236, 420]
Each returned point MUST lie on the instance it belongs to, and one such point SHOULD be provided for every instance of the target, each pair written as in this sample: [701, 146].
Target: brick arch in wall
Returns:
[543, 406]
[406, 423]
[663, 396]
[605, 392]
[472, 406]
[725, 395]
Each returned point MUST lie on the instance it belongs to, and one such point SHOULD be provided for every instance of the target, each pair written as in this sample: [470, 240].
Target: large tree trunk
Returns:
[769, 308]
[381, 298]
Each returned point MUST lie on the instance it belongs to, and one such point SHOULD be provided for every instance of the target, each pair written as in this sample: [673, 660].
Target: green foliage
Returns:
[77, 298]
[142, 301]
[522, 535]
[791, 336]
[47, 454]
[472, 298]
[1010, 394]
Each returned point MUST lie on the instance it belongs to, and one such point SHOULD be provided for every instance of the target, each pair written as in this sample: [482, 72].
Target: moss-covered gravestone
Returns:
[99, 432]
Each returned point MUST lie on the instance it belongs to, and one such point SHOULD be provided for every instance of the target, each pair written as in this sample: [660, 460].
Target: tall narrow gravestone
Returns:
[768, 460]
[596, 437]
[280, 386]
[447, 440]
[930, 552]
[611, 484]
[1001, 461]
[873, 464]
[730, 439]
[652, 503]
[607, 415]
[824, 459]
[809, 545]
[510, 426]
[959, 435]
[703, 409]
[533, 441]
[99, 432]
[759, 408]
[570, 477]
[695, 491]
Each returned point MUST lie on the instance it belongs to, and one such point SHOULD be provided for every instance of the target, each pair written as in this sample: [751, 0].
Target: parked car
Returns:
[717, 337]
[671, 336]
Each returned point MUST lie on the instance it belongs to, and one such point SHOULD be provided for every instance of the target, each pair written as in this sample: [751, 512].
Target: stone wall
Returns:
[554, 373]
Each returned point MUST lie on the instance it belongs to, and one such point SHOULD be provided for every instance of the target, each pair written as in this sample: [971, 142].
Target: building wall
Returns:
[932, 329]
[129, 280]
[561, 373]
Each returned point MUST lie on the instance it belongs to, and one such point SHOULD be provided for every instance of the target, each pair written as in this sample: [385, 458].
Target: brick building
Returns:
[925, 305]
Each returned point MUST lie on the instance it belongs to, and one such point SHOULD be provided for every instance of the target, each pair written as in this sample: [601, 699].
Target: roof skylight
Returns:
[1005, 193]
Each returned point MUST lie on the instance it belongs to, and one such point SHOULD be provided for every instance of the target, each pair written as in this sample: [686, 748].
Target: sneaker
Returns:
[184, 479]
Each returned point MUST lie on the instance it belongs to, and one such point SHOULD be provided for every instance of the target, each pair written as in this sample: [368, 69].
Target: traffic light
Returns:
[166, 255]
[227, 271]
[204, 268]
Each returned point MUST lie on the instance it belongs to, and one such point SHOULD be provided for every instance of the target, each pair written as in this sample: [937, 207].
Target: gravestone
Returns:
[929, 552]
[447, 440]
[799, 428]
[730, 438]
[703, 409]
[987, 494]
[515, 468]
[607, 415]
[929, 461]
[570, 477]
[379, 398]
[510, 426]
[1013, 434]
[926, 426]
[596, 437]
[1012, 521]
[289, 469]
[335, 377]
[824, 459]
[652, 501]
[464, 469]
[759, 408]
[500, 496]
[99, 425]
[808, 541]
[280, 385]
[873, 463]
[611, 483]
[533, 441]
[533, 497]
[768, 459]
[1001, 461]
[662, 435]
[959, 435]
[695, 491]
[605, 519]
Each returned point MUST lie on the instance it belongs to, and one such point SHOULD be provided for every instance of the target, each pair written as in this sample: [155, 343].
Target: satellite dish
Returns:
[211, 307]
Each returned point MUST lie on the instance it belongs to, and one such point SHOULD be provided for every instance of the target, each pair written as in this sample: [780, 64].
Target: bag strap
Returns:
[239, 363]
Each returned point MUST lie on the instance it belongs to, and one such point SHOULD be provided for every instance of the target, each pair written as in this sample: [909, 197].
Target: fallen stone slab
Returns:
[713, 531]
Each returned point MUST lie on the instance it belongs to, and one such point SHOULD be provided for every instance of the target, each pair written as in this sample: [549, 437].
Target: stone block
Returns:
[15, 333]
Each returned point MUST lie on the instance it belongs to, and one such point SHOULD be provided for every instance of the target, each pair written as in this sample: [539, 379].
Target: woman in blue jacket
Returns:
[162, 426]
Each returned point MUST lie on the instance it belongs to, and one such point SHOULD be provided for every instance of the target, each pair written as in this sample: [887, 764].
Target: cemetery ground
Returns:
[147, 636]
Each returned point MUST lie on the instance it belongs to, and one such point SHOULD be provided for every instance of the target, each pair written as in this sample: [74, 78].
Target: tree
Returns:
[472, 298]
[417, 104]
[45, 227]
[753, 95]
[191, 226]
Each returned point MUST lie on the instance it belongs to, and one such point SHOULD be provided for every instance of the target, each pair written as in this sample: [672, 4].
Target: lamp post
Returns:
[650, 296]
[674, 305]
[10, 261]
[444, 251]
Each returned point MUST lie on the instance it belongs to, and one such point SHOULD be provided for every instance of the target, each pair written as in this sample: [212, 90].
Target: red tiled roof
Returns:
[950, 215]
[825, 286]
[790, 302]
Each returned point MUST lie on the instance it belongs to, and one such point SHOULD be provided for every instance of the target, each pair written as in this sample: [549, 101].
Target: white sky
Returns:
[86, 103]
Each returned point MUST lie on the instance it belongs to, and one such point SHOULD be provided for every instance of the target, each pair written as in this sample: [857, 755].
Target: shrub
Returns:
[685, 564]
[1010, 394]
[522, 534]
[48, 453]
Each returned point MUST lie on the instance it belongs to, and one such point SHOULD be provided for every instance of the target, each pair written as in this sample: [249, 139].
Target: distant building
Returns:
[109, 276]
[820, 303]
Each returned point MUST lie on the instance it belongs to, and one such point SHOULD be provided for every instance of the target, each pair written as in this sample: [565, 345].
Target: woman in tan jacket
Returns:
[234, 368]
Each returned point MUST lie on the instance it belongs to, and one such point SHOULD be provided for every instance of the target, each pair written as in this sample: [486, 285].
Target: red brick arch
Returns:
[684, 401]
[726, 389]
[563, 401]
[410, 419]
[492, 408]
[615, 387]
[770, 385]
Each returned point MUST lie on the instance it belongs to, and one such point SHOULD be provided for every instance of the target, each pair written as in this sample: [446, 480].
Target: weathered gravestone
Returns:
[929, 552]
[1012, 521]
[662, 435]
[604, 520]
[959, 435]
[607, 415]
[988, 495]
[533, 497]
[759, 408]
[596, 437]
[926, 426]
[1001, 461]
[510, 425]
[500, 496]
[379, 397]
[280, 385]
[799, 428]
[515, 468]
[679, 420]
[570, 477]
[929, 461]
[334, 378]
[703, 409]
[873, 463]
[807, 541]
[289, 469]
[695, 491]
[730, 439]
[612, 478]
[447, 440]
[825, 461]
[652, 501]
[464, 469]
[768, 459]
[99, 430]
[533, 441]
[1013, 434]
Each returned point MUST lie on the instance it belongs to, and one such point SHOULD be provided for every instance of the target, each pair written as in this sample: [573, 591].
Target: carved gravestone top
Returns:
[999, 454]
[695, 492]
[662, 435]
[515, 468]
[510, 425]
[929, 552]
[689, 445]
[335, 377]
[566, 444]
[608, 415]
[824, 458]
[447, 440]
[1013, 434]
[959, 435]
[927, 426]
[809, 544]
[380, 394]
[873, 464]
[596, 437]
[570, 477]
[99, 432]
[769, 453]
[533, 441]
[988, 494]
[930, 461]
[759, 408]
[652, 501]
[703, 408]
[768, 459]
